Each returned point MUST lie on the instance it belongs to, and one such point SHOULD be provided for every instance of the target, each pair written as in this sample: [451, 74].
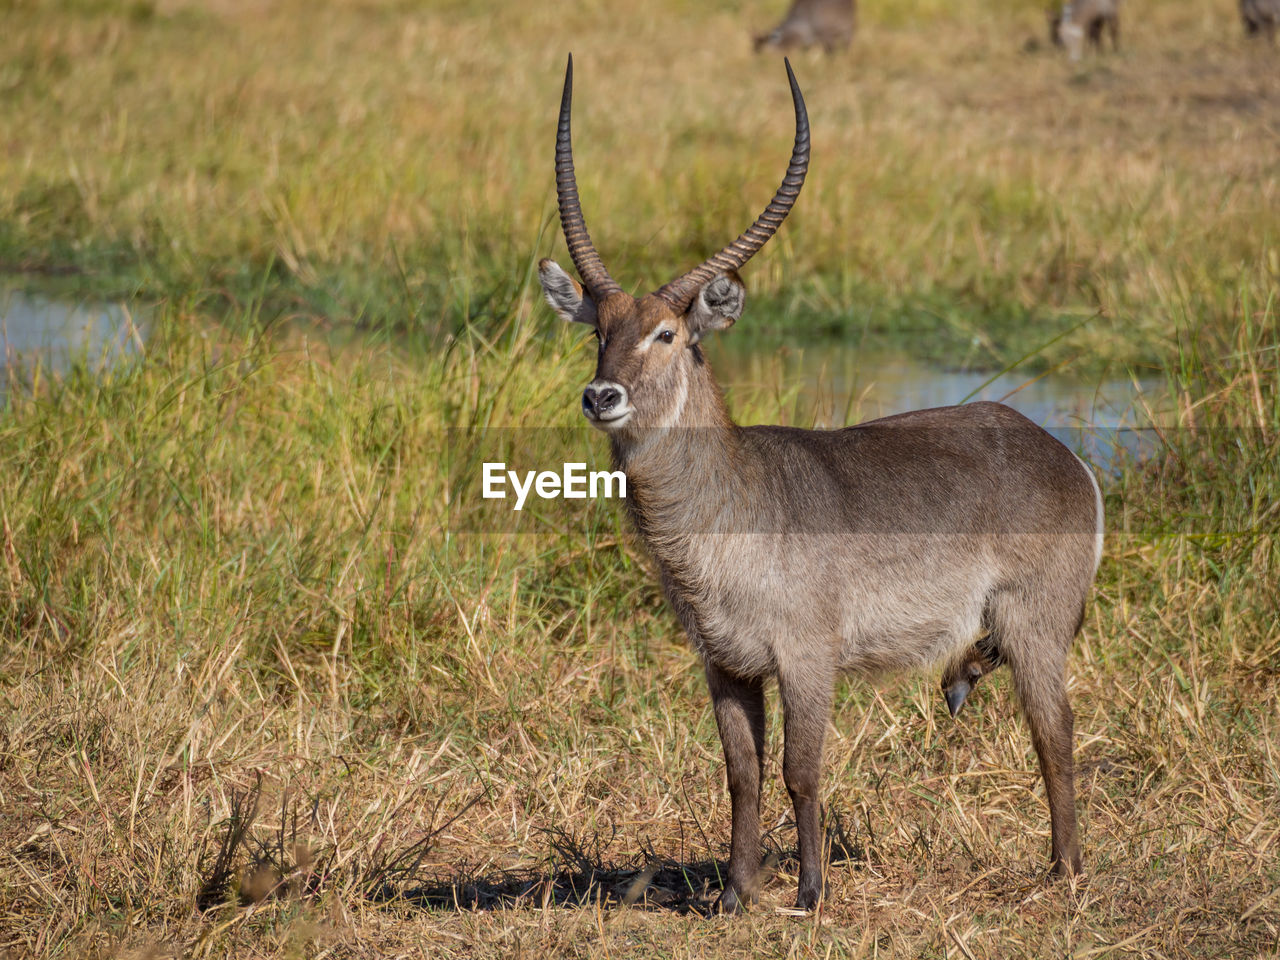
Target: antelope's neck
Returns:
[681, 478]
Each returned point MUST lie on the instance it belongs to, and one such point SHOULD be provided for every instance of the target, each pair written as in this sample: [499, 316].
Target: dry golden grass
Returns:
[258, 701]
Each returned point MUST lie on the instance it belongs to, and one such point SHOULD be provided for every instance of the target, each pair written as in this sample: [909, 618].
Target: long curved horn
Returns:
[590, 268]
[680, 293]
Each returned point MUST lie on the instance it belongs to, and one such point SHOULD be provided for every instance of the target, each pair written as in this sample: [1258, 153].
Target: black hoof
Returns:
[729, 903]
[810, 894]
[1066, 867]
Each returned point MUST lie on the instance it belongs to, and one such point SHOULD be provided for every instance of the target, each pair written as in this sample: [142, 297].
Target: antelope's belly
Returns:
[767, 603]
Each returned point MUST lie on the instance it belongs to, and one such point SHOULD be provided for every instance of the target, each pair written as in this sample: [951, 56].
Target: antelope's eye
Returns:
[666, 336]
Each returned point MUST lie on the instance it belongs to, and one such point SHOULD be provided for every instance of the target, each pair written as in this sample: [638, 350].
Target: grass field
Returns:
[261, 696]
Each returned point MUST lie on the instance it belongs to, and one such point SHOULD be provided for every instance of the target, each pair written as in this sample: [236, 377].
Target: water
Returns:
[40, 331]
[826, 383]
[831, 383]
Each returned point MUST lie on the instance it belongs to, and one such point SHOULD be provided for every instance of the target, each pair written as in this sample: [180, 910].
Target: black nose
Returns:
[600, 402]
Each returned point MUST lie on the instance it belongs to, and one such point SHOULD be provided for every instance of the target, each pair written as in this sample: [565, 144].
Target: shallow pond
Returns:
[830, 383]
[37, 331]
[822, 383]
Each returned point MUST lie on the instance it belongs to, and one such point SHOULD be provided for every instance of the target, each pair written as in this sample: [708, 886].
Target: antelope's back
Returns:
[977, 469]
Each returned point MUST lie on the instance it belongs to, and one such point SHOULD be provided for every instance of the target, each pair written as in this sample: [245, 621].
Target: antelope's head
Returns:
[649, 345]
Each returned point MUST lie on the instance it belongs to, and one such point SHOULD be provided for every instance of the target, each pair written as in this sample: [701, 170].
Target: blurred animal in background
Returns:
[809, 23]
[1260, 16]
[1074, 23]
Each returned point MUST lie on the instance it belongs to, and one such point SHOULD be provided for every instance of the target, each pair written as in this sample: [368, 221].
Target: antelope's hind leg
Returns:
[1036, 637]
[739, 707]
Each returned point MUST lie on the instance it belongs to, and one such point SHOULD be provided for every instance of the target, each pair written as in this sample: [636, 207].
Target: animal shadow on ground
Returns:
[248, 867]
[583, 877]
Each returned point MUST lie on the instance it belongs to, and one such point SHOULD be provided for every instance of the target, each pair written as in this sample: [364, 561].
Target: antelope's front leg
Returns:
[739, 706]
[806, 704]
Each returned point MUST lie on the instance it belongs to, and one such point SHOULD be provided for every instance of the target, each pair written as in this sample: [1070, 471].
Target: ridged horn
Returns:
[590, 268]
[680, 293]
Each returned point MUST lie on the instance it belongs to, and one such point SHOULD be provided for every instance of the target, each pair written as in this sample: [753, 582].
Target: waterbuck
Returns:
[1260, 17]
[809, 23]
[1082, 21]
[797, 554]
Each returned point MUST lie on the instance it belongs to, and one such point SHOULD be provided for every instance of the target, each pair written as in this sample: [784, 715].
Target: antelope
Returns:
[1074, 23]
[812, 22]
[1260, 16]
[799, 554]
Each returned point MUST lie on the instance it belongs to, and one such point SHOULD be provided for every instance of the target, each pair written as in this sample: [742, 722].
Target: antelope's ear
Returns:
[718, 304]
[565, 294]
